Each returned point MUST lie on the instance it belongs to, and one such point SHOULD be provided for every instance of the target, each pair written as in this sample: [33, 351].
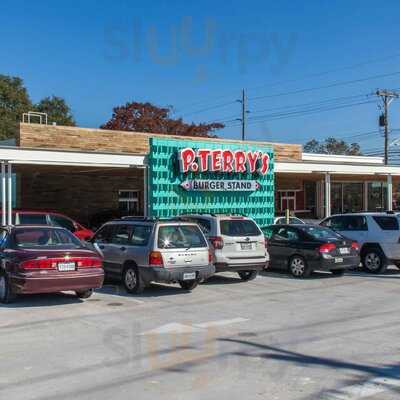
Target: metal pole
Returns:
[385, 104]
[327, 195]
[243, 114]
[389, 193]
[3, 194]
[9, 194]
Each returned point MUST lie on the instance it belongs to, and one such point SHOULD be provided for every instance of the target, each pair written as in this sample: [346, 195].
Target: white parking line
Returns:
[221, 322]
[363, 390]
[178, 328]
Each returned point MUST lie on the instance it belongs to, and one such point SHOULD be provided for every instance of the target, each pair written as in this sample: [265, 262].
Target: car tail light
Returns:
[217, 242]
[210, 257]
[265, 242]
[155, 258]
[327, 248]
[46, 263]
[88, 262]
[51, 263]
[355, 246]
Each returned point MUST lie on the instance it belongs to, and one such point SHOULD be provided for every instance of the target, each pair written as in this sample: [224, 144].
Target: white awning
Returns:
[344, 169]
[17, 155]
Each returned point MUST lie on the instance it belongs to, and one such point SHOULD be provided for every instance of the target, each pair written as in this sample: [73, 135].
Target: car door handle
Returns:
[122, 248]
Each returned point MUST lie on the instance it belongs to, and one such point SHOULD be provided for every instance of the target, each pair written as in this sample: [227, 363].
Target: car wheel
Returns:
[6, 294]
[248, 275]
[188, 285]
[84, 294]
[374, 261]
[132, 281]
[338, 272]
[298, 267]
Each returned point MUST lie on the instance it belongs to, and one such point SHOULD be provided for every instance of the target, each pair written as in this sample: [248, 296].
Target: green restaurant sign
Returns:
[205, 176]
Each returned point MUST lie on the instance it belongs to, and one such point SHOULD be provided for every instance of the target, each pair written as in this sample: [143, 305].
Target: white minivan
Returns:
[237, 243]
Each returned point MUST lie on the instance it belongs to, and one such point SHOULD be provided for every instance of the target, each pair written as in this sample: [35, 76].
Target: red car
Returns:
[43, 217]
[39, 259]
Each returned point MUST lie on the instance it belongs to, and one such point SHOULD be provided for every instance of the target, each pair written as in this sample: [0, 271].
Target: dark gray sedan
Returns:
[301, 249]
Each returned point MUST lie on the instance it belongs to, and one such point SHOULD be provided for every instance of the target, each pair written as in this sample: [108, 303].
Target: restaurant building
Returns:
[89, 172]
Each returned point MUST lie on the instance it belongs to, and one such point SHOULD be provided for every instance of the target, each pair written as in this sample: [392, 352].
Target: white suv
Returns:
[377, 233]
[237, 243]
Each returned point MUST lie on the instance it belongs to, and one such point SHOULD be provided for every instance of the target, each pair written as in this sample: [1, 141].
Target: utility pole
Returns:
[387, 98]
[243, 101]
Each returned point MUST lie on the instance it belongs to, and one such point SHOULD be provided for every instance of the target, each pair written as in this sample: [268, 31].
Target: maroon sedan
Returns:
[39, 259]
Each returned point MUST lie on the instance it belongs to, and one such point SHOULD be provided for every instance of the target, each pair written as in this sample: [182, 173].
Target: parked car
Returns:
[38, 259]
[292, 221]
[302, 249]
[237, 242]
[37, 217]
[377, 233]
[143, 250]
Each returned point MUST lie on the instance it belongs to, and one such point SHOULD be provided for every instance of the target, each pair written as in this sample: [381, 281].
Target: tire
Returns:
[248, 275]
[6, 294]
[132, 281]
[338, 272]
[374, 261]
[84, 294]
[298, 267]
[189, 285]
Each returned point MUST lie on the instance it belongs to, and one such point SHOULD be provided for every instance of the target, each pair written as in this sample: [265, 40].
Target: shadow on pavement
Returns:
[43, 300]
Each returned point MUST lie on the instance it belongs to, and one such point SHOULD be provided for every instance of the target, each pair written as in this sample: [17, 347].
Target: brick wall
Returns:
[78, 194]
[73, 138]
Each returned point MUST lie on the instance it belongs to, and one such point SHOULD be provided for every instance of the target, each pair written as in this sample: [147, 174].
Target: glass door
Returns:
[336, 198]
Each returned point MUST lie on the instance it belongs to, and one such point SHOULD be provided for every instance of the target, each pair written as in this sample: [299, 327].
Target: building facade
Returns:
[89, 172]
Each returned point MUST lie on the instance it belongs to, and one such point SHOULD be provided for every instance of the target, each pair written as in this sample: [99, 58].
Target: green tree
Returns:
[57, 111]
[14, 101]
[332, 146]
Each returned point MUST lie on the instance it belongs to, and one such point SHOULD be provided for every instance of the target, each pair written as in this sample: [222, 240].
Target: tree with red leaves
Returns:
[145, 117]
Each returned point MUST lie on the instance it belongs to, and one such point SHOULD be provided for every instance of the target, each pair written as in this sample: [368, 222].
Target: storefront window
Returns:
[377, 195]
[347, 197]
[129, 202]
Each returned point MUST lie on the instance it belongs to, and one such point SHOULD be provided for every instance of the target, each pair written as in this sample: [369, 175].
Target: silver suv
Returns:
[140, 250]
[237, 242]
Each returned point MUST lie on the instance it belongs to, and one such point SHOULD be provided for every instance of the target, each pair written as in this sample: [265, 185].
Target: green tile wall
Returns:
[167, 199]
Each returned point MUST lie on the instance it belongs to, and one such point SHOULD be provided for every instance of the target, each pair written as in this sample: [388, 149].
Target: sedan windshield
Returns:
[318, 232]
[44, 238]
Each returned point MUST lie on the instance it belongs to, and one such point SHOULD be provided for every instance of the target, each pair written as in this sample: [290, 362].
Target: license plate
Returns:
[66, 266]
[338, 260]
[344, 250]
[189, 276]
[246, 246]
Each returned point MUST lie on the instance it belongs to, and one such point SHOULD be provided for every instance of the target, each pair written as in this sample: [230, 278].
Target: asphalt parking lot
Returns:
[272, 338]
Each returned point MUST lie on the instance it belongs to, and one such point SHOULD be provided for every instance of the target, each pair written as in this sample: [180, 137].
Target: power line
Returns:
[305, 77]
[277, 116]
[342, 83]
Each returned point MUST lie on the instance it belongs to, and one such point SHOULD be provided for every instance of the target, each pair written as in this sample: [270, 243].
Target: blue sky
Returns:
[197, 56]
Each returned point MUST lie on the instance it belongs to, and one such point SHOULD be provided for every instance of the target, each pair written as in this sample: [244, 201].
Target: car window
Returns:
[103, 235]
[204, 224]
[387, 223]
[121, 234]
[267, 231]
[293, 220]
[287, 234]
[140, 235]
[63, 222]
[280, 221]
[175, 236]
[32, 219]
[234, 227]
[347, 223]
[318, 232]
[44, 237]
